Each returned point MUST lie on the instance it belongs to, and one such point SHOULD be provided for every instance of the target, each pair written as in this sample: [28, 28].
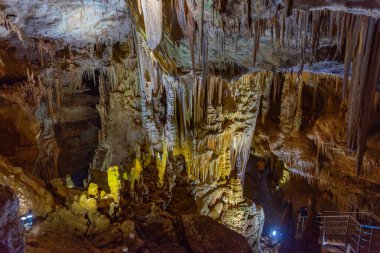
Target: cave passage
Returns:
[257, 189]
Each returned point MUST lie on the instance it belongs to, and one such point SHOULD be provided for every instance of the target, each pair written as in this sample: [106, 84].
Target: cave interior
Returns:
[189, 126]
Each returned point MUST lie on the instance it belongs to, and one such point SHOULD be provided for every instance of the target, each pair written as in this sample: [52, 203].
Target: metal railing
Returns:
[352, 230]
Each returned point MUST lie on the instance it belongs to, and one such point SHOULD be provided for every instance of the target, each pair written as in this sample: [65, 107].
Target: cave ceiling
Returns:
[30, 28]
[228, 38]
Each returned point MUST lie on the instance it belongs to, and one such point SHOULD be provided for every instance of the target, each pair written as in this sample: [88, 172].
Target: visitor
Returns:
[302, 211]
[286, 203]
[302, 215]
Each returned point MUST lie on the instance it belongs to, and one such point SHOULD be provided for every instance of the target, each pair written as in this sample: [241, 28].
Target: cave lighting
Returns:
[27, 221]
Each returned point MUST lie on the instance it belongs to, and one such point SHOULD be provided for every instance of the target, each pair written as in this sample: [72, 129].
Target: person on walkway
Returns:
[302, 215]
[302, 211]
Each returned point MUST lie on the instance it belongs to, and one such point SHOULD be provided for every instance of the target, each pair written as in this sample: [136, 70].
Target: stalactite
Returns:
[49, 90]
[316, 24]
[277, 29]
[58, 95]
[363, 86]
[277, 86]
[288, 103]
[304, 38]
[289, 7]
[198, 101]
[194, 98]
[153, 21]
[314, 102]
[266, 101]
[101, 107]
[184, 93]
[283, 29]
[7, 24]
[40, 52]
[298, 116]
[341, 21]
[258, 31]
[181, 14]
[210, 156]
[353, 32]
[203, 43]
[186, 22]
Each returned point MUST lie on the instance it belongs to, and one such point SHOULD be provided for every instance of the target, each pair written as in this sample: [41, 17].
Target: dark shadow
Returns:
[257, 189]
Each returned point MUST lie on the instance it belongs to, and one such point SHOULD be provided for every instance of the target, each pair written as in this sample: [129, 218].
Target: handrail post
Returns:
[359, 240]
[370, 241]
[324, 231]
[346, 234]
[303, 224]
[353, 229]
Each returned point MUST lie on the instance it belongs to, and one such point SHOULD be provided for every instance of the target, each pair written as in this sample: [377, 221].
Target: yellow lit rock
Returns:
[285, 177]
[136, 172]
[69, 182]
[102, 194]
[93, 190]
[84, 205]
[161, 163]
[125, 176]
[186, 149]
[114, 182]
[92, 204]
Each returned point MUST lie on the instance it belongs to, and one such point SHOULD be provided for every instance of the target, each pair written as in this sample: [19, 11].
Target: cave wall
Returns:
[317, 149]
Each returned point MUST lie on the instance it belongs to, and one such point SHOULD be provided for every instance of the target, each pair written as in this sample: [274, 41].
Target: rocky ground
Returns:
[81, 221]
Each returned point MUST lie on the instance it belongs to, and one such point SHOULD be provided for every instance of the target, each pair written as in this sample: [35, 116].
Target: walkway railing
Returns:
[354, 231]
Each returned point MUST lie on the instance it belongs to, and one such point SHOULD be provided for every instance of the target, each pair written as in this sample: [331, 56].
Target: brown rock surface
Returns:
[29, 190]
[204, 235]
[11, 233]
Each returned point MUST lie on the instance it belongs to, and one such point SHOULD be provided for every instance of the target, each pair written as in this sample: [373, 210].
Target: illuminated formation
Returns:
[155, 125]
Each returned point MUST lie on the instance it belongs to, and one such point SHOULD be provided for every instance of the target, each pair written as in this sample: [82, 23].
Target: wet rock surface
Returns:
[204, 235]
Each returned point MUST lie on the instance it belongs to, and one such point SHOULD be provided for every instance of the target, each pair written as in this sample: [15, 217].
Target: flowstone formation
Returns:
[124, 123]
[317, 150]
